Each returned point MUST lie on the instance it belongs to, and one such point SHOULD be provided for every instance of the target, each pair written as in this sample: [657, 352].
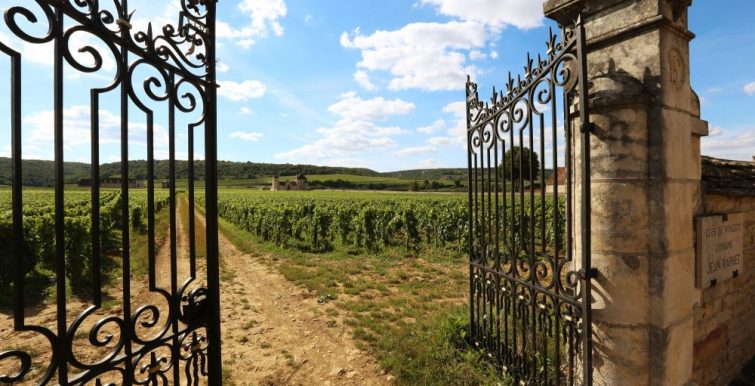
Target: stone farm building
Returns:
[300, 183]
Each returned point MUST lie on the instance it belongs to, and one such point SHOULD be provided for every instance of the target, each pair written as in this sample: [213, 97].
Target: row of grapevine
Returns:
[39, 235]
[359, 221]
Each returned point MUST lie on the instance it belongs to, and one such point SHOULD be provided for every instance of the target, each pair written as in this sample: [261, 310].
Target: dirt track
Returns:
[275, 333]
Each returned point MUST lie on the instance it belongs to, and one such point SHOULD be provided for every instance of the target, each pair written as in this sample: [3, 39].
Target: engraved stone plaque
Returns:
[719, 248]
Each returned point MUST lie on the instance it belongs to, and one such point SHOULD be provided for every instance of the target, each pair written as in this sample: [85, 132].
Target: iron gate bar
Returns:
[530, 303]
[588, 272]
[195, 308]
[211, 208]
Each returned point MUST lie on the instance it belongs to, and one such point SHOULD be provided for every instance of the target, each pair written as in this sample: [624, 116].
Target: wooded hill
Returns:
[430, 174]
[42, 173]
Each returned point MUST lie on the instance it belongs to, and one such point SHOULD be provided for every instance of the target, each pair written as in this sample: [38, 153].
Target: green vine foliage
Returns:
[370, 222]
[39, 246]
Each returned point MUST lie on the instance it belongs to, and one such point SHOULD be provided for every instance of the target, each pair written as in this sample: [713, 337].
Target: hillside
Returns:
[251, 174]
[430, 174]
[42, 173]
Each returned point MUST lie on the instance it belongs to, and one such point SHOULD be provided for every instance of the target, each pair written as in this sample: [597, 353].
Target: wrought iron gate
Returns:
[175, 340]
[529, 245]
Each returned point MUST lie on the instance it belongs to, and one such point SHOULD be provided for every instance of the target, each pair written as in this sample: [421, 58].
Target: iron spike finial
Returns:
[528, 67]
[125, 22]
[551, 43]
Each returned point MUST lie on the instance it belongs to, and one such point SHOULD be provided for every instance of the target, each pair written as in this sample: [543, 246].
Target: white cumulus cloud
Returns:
[363, 79]
[353, 108]
[77, 132]
[427, 56]
[436, 126]
[495, 13]
[456, 132]
[750, 88]
[477, 55]
[264, 18]
[736, 144]
[433, 56]
[242, 91]
[246, 136]
[355, 134]
[418, 150]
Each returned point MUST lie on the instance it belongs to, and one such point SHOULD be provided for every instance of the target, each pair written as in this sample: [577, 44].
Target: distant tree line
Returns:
[42, 173]
[430, 174]
[350, 185]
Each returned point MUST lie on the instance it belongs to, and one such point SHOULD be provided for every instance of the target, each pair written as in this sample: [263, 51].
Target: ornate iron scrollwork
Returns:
[529, 301]
[169, 341]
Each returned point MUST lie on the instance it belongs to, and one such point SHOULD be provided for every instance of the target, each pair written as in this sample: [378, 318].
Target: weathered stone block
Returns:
[676, 90]
[619, 145]
[677, 205]
[679, 350]
[638, 57]
[618, 276]
[677, 297]
[678, 151]
[621, 355]
[619, 218]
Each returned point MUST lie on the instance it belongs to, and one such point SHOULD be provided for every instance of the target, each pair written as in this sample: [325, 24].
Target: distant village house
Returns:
[300, 183]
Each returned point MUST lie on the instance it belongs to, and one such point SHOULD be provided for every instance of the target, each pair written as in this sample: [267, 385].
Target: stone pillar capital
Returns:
[630, 14]
[563, 11]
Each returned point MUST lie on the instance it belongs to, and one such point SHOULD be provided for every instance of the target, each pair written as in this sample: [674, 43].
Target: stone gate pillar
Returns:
[645, 180]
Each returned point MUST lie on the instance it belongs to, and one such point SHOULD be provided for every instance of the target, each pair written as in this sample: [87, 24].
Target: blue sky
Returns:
[378, 84]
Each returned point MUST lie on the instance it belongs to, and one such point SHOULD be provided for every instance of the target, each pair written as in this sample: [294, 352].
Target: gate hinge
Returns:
[592, 274]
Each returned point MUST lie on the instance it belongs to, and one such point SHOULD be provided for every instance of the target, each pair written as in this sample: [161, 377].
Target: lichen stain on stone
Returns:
[632, 262]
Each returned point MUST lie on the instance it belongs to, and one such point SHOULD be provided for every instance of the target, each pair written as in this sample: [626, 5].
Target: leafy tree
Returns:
[525, 165]
[457, 183]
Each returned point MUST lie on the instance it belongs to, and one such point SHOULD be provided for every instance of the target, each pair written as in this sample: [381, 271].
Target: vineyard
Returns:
[370, 222]
[39, 236]
[350, 222]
